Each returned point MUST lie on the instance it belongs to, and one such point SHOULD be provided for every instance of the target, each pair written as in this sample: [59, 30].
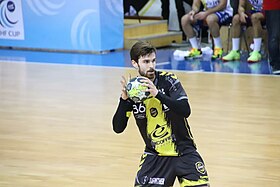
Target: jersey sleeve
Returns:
[177, 99]
[122, 115]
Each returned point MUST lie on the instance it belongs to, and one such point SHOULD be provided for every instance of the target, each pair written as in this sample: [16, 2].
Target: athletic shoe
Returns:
[232, 56]
[276, 72]
[194, 53]
[255, 56]
[218, 52]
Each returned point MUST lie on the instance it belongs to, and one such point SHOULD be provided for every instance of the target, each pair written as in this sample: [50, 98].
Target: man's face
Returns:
[146, 66]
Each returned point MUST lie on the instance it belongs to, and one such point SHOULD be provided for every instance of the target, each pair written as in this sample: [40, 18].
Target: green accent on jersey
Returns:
[163, 73]
[202, 181]
[158, 130]
[128, 114]
[143, 157]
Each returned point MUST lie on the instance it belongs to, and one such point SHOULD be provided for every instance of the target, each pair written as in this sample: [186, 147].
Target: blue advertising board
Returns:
[85, 25]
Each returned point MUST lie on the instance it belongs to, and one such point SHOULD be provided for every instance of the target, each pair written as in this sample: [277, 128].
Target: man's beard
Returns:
[150, 74]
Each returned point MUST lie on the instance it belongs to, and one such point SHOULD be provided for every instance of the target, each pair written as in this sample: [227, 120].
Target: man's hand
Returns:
[151, 87]
[201, 15]
[123, 86]
[242, 17]
[192, 13]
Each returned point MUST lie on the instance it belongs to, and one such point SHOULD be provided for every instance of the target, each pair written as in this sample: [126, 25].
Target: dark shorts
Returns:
[161, 171]
[224, 18]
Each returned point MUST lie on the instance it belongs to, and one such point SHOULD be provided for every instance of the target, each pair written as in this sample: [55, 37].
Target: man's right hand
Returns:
[192, 13]
[242, 17]
[123, 86]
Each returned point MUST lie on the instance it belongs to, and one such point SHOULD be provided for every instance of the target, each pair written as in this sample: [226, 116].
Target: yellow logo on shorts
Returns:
[200, 167]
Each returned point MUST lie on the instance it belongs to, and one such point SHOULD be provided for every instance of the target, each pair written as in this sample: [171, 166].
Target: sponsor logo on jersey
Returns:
[160, 132]
[159, 181]
[154, 112]
[200, 167]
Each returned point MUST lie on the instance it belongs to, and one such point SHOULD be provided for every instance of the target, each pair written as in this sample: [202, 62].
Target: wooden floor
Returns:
[55, 127]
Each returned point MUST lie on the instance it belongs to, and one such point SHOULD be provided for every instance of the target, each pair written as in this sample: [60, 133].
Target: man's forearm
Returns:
[180, 107]
[241, 7]
[120, 118]
[196, 6]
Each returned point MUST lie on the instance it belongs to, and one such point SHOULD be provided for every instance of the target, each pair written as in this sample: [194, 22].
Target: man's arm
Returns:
[241, 7]
[241, 11]
[196, 6]
[180, 107]
[121, 116]
[177, 101]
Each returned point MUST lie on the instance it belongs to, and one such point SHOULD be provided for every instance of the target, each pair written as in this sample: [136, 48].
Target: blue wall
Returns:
[87, 25]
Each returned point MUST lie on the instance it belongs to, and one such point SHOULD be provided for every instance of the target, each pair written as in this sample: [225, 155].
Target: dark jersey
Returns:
[161, 120]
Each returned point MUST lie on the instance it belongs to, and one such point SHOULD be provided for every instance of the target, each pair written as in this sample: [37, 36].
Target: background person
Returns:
[272, 14]
[216, 12]
[254, 17]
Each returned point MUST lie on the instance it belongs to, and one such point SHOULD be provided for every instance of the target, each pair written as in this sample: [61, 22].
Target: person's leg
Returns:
[126, 5]
[256, 20]
[273, 30]
[213, 23]
[187, 25]
[155, 171]
[191, 171]
[181, 12]
[234, 53]
[165, 9]
[236, 27]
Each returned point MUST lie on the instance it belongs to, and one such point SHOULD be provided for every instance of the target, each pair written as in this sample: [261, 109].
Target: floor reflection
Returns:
[165, 60]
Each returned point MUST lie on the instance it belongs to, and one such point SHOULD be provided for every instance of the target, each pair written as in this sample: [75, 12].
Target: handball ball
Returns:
[136, 91]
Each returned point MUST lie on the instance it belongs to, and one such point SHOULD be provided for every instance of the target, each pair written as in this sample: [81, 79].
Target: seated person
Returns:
[216, 13]
[254, 17]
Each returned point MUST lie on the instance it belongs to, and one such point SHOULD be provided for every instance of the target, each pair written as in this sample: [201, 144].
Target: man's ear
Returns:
[135, 64]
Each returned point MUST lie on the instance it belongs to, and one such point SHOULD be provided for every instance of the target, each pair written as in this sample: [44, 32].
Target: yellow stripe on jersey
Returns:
[158, 130]
[174, 76]
[143, 157]
[189, 131]
[187, 127]
[163, 73]
[128, 114]
[186, 182]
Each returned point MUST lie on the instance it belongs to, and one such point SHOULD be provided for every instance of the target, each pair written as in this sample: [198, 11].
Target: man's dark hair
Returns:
[141, 48]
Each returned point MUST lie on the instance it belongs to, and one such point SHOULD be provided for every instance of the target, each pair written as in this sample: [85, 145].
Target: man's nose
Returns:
[151, 64]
